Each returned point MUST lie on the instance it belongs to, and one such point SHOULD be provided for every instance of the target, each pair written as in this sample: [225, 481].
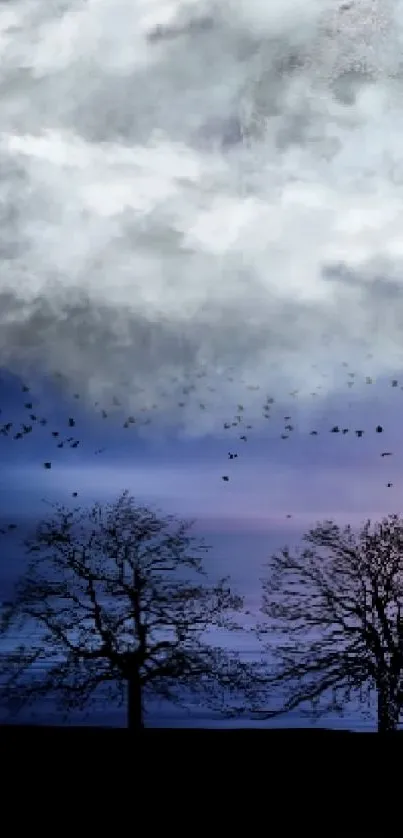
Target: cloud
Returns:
[200, 185]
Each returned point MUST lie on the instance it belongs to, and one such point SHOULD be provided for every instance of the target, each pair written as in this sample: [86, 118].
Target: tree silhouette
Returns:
[106, 589]
[337, 606]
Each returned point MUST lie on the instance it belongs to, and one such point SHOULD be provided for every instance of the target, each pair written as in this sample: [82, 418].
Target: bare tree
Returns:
[337, 607]
[118, 596]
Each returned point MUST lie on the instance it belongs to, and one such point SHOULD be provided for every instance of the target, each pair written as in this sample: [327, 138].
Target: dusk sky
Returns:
[277, 473]
[201, 209]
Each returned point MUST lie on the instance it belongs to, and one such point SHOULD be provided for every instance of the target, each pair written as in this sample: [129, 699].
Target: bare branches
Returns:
[118, 595]
[336, 606]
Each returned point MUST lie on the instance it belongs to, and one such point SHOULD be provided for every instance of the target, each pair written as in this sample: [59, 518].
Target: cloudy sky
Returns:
[201, 209]
[200, 184]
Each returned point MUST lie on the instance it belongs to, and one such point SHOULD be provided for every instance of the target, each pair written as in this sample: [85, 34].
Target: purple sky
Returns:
[308, 477]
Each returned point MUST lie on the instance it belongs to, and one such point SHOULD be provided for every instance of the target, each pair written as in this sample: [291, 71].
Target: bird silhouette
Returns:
[8, 528]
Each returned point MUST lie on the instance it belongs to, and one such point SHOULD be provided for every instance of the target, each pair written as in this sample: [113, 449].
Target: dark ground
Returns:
[92, 736]
[15, 730]
[295, 781]
[214, 746]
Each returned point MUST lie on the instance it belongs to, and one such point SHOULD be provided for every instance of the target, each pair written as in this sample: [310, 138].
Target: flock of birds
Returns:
[243, 428]
[288, 428]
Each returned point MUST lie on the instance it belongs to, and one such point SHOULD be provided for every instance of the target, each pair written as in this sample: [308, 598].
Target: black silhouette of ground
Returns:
[10, 732]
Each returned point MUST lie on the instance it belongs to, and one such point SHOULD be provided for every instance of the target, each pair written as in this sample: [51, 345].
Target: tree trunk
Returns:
[134, 703]
[388, 711]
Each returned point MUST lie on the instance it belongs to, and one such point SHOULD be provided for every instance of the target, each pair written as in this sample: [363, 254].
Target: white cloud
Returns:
[141, 236]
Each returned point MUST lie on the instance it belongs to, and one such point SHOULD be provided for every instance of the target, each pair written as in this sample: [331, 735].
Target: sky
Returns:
[201, 210]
